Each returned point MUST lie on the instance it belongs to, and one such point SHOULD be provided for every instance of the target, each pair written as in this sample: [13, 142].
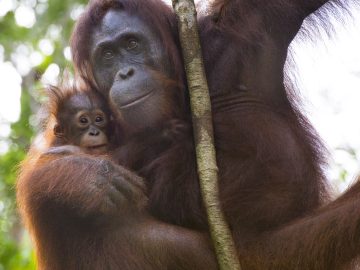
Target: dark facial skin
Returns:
[126, 57]
[83, 122]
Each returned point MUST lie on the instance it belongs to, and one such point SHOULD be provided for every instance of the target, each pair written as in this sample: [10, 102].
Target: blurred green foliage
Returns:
[54, 22]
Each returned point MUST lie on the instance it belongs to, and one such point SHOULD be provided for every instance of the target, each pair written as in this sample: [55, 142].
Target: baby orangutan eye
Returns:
[83, 121]
[99, 119]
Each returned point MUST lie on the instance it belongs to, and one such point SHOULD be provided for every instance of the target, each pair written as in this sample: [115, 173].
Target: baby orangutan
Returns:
[82, 121]
[70, 217]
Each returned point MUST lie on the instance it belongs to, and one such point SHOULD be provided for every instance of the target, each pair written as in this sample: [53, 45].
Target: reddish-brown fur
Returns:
[271, 182]
[74, 226]
[75, 219]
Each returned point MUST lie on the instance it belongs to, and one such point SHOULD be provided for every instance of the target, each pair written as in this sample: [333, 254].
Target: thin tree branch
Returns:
[203, 134]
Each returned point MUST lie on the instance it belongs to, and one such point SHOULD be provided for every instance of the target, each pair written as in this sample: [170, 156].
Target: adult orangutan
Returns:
[271, 183]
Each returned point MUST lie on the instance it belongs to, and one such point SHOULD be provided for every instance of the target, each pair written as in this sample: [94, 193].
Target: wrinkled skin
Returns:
[127, 57]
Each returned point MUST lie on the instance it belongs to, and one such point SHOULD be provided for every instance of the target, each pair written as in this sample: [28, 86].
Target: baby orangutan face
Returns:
[82, 121]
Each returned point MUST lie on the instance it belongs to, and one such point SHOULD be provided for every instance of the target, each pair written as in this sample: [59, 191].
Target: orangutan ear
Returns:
[58, 131]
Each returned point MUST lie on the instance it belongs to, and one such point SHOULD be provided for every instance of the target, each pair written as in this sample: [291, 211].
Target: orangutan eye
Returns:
[132, 44]
[99, 119]
[108, 54]
[83, 120]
